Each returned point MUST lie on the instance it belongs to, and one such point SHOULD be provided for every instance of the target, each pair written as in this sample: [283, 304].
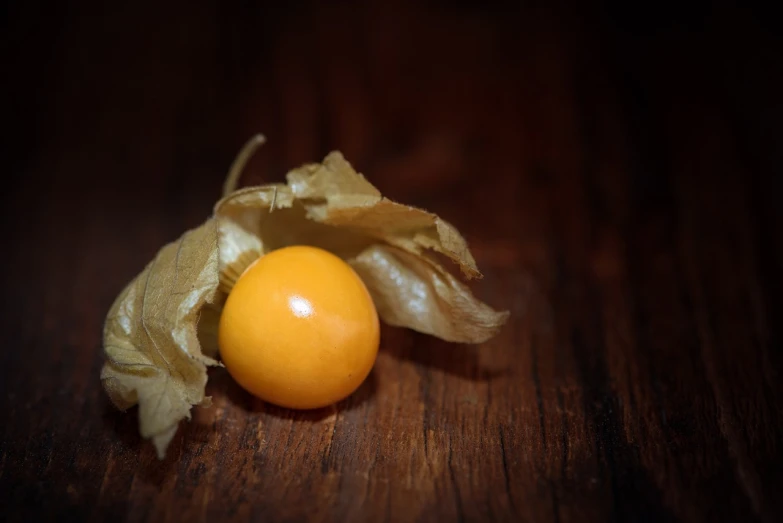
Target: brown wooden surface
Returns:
[615, 174]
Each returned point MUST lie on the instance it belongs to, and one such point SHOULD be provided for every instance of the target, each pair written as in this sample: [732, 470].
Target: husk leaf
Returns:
[153, 355]
[159, 335]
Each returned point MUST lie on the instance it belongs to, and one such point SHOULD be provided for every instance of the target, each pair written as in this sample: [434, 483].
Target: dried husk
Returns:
[159, 335]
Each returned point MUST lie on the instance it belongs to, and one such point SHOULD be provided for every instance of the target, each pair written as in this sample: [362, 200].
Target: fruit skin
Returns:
[299, 329]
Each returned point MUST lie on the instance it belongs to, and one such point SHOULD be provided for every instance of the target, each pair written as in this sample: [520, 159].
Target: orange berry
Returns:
[299, 329]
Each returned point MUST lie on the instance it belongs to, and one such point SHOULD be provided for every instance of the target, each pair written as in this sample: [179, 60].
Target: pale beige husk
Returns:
[159, 335]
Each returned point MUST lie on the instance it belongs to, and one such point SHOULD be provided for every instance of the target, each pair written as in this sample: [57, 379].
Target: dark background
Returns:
[614, 167]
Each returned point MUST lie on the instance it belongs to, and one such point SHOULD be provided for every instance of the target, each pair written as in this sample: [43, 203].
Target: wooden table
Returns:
[614, 173]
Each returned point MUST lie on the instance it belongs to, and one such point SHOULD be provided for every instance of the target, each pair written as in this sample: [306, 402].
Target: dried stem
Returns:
[240, 161]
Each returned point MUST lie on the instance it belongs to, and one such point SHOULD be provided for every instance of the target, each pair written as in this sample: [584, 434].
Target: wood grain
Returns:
[615, 174]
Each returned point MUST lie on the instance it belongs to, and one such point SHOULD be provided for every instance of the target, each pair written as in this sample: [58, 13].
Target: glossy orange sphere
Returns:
[299, 329]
